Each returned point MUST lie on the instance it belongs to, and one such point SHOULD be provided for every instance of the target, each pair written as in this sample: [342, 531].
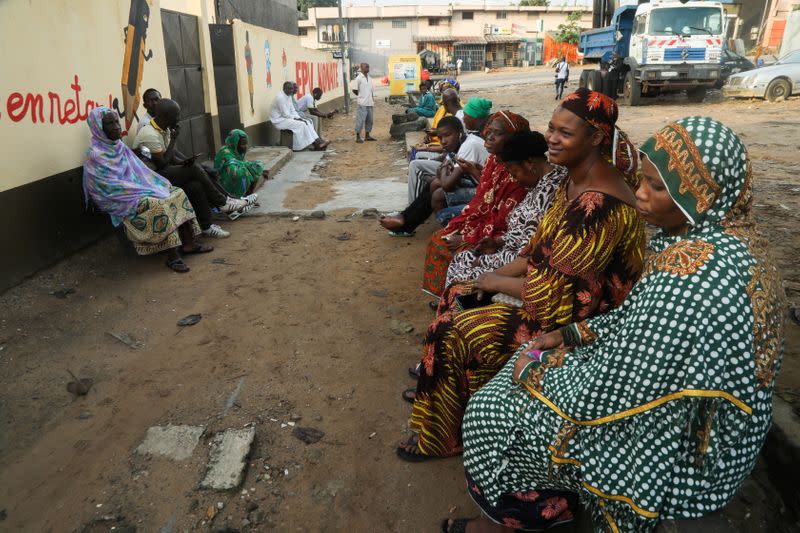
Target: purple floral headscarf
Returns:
[113, 176]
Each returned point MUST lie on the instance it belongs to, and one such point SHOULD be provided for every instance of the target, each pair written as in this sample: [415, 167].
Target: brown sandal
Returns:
[178, 266]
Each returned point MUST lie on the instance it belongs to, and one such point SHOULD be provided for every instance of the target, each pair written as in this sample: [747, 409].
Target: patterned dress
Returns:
[522, 223]
[154, 227]
[661, 409]
[485, 216]
[586, 255]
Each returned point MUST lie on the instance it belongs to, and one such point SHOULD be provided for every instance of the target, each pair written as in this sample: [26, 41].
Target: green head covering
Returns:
[232, 142]
[705, 167]
[478, 107]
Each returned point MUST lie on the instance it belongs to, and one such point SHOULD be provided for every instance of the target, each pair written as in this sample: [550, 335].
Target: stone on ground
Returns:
[173, 442]
[229, 451]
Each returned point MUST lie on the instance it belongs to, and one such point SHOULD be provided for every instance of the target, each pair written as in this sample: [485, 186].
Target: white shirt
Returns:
[458, 62]
[283, 108]
[305, 102]
[562, 70]
[146, 118]
[153, 137]
[472, 149]
[363, 84]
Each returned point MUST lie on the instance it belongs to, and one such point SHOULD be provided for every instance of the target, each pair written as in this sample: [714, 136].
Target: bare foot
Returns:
[370, 138]
[393, 223]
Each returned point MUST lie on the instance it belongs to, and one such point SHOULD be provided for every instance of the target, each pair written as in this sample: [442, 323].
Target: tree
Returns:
[540, 3]
[303, 5]
[569, 32]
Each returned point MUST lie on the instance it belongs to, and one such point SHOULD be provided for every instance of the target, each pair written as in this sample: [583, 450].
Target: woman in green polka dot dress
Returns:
[658, 409]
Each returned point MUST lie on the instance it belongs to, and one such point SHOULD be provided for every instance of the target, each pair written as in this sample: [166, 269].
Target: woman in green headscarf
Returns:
[237, 175]
[658, 409]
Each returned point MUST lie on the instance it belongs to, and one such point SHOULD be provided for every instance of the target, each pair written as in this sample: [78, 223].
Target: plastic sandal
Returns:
[177, 265]
[402, 233]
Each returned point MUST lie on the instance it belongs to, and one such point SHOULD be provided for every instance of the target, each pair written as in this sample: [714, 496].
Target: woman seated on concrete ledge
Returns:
[238, 176]
[156, 216]
[658, 409]
[426, 105]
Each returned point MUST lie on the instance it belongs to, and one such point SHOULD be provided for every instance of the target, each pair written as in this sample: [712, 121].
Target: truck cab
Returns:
[660, 46]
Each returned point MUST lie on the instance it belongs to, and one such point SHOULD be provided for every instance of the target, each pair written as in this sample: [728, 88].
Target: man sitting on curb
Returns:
[284, 116]
[158, 137]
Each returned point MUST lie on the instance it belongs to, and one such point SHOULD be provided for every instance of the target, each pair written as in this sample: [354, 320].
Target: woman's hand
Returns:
[454, 241]
[487, 282]
[470, 167]
[548, 341]
[522, 361]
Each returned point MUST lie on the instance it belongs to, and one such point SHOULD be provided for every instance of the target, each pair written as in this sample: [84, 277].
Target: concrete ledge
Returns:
[412, 138]
[273, 157]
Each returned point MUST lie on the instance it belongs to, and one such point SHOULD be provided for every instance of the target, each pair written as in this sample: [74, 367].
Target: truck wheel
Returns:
[696, 95]
[595, 81]
[610, 85]
[778, 90]
[632, 90]
[584, 79]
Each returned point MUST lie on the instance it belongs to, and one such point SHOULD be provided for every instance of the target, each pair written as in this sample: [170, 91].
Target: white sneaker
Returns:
[216, 231]
[233, 204]
[251, 199]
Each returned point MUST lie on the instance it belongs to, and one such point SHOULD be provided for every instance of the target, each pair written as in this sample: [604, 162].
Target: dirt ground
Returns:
[298, 315]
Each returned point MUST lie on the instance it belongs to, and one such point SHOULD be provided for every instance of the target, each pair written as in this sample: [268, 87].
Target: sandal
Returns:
[410, 395]
[414, 370]
[412, 457]
[198, 249]
[459, 525]
[178, 266]
[402, 233]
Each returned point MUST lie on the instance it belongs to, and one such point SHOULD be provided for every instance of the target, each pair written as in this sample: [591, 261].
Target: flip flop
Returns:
[410, 395]
[178, 266]
[414, 371]
[414, 457]
[459, 525]
[198, 249]
[359, 140]
[402, 233]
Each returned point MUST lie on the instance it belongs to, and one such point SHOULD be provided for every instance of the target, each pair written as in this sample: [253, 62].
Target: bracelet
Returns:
[570, 335]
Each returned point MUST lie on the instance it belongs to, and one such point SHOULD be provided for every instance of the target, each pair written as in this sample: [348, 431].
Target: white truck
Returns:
[657, 47]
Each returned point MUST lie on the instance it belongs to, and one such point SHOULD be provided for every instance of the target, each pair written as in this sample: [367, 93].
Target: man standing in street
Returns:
[458, 66]
[562, 76]
[362, 87]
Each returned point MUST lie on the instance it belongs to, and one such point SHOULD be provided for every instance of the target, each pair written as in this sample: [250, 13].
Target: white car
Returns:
[775, 82]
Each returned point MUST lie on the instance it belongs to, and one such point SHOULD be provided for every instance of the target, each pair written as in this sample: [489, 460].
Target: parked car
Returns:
[732, 63]
[776, 82]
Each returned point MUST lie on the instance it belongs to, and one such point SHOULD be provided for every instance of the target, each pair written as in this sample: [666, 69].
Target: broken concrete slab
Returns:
[173, 442]
[228, 458]
[273, 157]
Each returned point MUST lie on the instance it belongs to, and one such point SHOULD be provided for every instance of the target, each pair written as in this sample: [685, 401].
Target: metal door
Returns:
[184, 69]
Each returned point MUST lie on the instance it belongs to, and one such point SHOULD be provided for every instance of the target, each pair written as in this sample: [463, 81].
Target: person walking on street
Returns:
[362, 87]
[459, 61]
[562, 76]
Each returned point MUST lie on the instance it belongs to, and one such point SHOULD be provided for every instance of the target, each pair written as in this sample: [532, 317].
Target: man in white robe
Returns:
[284, 116]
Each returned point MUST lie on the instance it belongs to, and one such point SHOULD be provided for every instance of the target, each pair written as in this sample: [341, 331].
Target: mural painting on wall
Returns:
[248, 61]
[269, 63]
[327, 76]
[283, 62]
[133, 60]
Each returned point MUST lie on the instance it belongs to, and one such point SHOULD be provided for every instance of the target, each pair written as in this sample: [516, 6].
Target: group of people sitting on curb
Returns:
[567, 363]
[164, 199]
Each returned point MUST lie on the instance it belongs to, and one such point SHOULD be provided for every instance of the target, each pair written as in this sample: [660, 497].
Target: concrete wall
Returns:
[278, 57]
[279, 15]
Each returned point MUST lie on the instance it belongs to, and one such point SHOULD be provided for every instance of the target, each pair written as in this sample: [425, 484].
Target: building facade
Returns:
[493, 36]
[107, 52]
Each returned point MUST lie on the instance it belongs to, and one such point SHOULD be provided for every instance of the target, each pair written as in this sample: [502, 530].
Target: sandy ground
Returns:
[300, 314]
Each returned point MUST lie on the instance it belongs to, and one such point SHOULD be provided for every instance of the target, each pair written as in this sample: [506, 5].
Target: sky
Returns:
[460, 2]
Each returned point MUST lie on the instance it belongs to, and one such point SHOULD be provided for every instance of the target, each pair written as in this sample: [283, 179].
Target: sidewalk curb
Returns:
[782, 453]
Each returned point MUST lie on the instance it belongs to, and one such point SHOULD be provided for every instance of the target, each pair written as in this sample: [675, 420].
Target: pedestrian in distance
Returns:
[362, 88]
[562, 77]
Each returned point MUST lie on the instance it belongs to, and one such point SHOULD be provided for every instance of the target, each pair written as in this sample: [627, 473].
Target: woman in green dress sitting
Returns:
[238, 176]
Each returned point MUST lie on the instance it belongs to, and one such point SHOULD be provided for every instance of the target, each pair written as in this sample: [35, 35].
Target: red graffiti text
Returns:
[327, 76]
[50, 107]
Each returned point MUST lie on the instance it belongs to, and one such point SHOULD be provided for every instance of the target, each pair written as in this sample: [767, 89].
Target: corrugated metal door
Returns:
[184, 68]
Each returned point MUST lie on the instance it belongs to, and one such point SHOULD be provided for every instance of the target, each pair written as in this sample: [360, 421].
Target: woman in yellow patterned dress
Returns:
[583, 259]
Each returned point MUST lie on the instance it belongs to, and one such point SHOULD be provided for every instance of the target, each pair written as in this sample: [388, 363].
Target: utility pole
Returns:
[344, 62]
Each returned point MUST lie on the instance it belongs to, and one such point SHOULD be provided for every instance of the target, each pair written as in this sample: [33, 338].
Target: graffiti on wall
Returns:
[248, 63]
[133, 60]
[51, 107]
[327, 76]
[268, 62]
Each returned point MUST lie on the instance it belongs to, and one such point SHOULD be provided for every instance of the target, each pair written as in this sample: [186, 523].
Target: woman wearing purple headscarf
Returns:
[156, 216]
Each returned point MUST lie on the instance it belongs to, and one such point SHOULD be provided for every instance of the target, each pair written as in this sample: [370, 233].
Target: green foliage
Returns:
[569, 32]
[540, 3]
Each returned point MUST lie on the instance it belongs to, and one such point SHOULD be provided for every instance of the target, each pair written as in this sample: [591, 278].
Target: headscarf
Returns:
[682, 374]
[231, 148]
[113, 176]
[477, 107]
[236, 173]
[601, 112]
[449, 83]
[511, 122]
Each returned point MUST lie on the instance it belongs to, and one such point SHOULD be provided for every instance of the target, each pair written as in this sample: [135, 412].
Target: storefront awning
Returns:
[433, 39]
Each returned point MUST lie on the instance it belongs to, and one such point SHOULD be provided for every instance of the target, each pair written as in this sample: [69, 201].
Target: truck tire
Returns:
[595, 82]
[696, 95]
[631, 90]
[778, 90]
[584, 79]
[610, 85]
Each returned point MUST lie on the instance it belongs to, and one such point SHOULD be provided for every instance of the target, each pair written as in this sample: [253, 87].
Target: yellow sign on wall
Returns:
[405, 72]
